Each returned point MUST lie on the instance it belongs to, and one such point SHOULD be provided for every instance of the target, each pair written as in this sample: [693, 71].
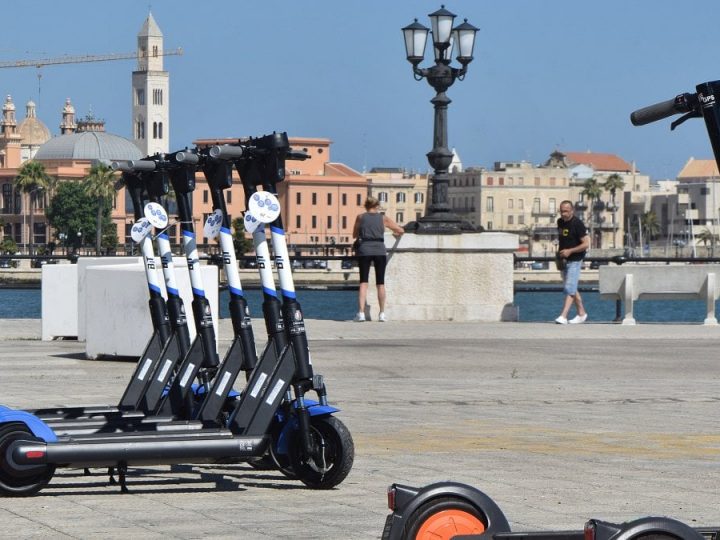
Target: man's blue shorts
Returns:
[571, 276]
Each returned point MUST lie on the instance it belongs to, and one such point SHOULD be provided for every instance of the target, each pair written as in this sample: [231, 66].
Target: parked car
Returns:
[5, 263]
[346, 264]
[295, 264]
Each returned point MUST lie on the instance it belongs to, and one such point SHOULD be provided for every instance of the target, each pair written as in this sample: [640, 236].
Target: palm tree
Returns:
[614, 183]
[31, 179]
[592, 191]
[706, 236]
[100, 183]
[650, 225]
[529, 232]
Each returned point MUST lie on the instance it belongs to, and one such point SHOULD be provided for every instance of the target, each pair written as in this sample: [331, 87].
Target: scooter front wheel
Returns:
[15, 483]
[444, 518]
[332, 456]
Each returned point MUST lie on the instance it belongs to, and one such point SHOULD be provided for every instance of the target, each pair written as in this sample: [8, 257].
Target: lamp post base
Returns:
[441, 223]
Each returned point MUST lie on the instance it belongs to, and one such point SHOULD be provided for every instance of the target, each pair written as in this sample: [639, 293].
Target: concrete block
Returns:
[59, 301]
[116, 305]
[464, 277]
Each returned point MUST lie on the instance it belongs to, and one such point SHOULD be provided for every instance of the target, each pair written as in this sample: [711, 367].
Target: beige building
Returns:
[402, 195]
[525, 198]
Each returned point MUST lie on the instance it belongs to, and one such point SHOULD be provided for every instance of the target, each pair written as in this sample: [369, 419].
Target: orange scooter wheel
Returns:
[441, 519]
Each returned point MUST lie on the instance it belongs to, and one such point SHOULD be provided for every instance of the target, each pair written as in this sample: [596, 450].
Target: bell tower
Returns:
[151, 92]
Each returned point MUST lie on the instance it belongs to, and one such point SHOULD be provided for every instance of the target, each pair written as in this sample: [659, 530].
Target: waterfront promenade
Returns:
[557, 423]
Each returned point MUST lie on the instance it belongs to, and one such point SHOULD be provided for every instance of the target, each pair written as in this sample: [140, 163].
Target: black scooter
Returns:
[448, 510]
[321, 450]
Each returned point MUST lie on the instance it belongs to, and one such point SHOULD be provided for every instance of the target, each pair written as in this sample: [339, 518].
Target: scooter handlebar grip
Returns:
[227, 151]
[189, 158]
[655, 112]
[141, 165]
[297, 155]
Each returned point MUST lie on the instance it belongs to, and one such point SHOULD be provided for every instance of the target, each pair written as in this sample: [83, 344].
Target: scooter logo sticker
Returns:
[707, 101]
[213, 224]
[264, 206]
[251, 222]
[157, 215]
[140, 230]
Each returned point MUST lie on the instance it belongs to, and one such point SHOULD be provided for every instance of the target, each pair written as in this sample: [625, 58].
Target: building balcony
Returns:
[543, 213]
[464, 209]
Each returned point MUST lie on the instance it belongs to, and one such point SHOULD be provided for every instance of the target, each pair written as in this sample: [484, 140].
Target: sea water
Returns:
[541, 305]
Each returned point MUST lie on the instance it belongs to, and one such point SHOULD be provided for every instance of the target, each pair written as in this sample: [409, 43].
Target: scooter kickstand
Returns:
[122, 471]
[111, 472]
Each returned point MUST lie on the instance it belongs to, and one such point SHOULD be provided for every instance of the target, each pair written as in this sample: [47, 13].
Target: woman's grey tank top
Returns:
[372, 235]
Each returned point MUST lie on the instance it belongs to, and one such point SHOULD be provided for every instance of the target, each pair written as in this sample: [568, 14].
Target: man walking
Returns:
[573, 244]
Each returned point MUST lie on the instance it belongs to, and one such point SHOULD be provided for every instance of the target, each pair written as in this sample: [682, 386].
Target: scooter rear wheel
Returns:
[332, 456]
[20, 484]
[443, 518]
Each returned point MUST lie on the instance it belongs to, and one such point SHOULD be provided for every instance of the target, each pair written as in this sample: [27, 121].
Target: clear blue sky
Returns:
[547, 74]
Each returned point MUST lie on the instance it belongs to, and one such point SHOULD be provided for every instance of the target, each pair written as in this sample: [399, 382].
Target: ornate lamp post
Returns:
[441, 76]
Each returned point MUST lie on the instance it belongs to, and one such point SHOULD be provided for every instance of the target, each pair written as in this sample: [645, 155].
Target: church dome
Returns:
[31, 129]
[90, 145]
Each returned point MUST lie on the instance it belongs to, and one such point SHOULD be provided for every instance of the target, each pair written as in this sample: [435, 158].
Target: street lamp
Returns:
[441, 76]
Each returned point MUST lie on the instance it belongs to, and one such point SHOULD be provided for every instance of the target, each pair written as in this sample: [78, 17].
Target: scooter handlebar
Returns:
[658, 111]
[226, 151]
[189, 158]
[134, 165]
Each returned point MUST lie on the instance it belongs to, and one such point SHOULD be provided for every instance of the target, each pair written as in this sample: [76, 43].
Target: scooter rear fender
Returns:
[36, 426]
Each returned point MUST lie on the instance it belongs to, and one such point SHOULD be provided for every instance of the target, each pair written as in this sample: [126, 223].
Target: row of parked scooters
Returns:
[180, 405]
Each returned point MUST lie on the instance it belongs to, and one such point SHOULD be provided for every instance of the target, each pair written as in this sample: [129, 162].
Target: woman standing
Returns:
[369, 229]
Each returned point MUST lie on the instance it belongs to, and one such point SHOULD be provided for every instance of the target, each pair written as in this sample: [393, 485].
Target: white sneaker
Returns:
[561, 320]
[382, 317]
[360, 317]
[578, 319]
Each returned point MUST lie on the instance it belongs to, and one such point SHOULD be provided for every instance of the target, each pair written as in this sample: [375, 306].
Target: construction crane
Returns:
[85, 58]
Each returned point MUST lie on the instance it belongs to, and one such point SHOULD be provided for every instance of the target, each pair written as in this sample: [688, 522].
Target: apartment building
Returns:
[402, 195]
[517, 196]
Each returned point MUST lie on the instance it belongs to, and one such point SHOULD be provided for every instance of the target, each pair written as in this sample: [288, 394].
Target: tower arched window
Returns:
[155, 130]
[160, 135]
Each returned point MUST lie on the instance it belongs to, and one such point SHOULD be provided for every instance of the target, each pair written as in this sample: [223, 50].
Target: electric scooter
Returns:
[451, 510]
[31, 450]
[217, 166]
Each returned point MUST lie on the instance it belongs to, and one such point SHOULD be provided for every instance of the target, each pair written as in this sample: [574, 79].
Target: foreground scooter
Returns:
[448, 510]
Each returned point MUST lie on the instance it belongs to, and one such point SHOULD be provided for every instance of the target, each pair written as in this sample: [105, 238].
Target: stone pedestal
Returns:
[460, 277]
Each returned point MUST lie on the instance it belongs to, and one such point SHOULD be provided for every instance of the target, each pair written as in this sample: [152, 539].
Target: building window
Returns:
[155, 131]
[399, 217]
[359, 199]
[313, 222]
[490, 181]
[521, 181]
[344, 222]
[383, 197]
[314, 198]
[329, 222]
[552, 180]
[155, 51]
[228, 196]
[329, 199]
[157, 96]
[400, 197]
[521, 219]
[489, 225]
[536, 205]
[7, 198]
[298, 198]
[552, 206]
[298, 221]
[140, 96]
[521, 204]
[344, 199]
[160, 135]
[510, 203]
[537, 180]
[501, 181]
[205, 195]
[419, 197]
[510, 220]
[490, 204]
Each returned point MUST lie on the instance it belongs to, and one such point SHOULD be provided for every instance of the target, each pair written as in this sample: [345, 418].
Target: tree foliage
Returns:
[99, 184]
[33, 181]
[242, 244]
[72, 210]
